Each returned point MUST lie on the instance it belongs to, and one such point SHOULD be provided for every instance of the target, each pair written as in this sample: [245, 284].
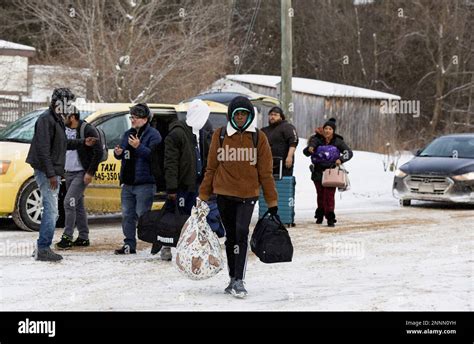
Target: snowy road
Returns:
[378, 257]
[417, 258]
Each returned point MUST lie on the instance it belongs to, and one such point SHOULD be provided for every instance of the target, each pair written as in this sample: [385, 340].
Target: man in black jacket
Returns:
[81, 164]
[47, 157]
[186, 149]
[283, 140]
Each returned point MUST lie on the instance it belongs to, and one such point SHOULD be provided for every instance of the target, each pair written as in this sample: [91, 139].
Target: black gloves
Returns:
[273, 210]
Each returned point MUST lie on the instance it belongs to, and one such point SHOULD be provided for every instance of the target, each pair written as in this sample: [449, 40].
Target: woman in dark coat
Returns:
[326, 136]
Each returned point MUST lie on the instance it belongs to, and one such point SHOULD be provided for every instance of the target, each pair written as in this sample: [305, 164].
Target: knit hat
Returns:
[331, 122]
[240, 103]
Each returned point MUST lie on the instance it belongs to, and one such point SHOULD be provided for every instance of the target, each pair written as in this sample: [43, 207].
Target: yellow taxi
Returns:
[20, 197]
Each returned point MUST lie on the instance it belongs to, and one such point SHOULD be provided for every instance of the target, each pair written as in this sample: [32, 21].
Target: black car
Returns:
[442, 171]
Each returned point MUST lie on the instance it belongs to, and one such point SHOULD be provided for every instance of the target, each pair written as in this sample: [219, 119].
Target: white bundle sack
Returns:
[198, 252]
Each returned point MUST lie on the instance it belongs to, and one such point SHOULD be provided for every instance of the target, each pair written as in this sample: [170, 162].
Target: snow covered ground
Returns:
[378, 257]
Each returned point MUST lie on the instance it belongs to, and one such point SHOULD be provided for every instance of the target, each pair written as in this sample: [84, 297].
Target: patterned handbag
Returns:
[198, 253]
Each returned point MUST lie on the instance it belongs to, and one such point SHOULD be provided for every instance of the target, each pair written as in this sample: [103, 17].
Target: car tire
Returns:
[405, 202]
[27, 214]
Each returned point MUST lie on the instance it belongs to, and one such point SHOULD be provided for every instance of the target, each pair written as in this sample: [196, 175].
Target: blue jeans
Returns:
[136, 200]
[50, 213]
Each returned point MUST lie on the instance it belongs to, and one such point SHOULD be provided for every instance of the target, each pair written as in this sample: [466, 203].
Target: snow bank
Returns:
[371, 186]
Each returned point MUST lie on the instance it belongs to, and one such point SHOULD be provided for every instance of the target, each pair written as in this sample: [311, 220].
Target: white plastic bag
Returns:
[198, 253]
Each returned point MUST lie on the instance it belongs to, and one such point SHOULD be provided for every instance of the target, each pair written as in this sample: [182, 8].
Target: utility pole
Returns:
[286, 59]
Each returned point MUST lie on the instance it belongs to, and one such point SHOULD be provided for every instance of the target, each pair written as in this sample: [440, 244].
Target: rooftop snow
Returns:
[312, 86]
[15, 46]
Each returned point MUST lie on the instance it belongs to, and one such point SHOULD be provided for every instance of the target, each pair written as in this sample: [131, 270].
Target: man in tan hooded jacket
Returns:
[239, 162]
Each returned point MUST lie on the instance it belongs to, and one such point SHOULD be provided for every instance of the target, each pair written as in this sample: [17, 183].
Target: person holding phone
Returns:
[136, 179]
[47, 157]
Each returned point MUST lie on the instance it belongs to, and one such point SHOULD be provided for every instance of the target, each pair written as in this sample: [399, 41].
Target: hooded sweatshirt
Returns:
[239, 176]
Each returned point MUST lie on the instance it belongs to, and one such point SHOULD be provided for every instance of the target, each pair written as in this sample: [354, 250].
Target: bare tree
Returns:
[132, 46]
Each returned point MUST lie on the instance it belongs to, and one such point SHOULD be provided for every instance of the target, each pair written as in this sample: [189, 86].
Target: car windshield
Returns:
[22, 130]
[450, 147]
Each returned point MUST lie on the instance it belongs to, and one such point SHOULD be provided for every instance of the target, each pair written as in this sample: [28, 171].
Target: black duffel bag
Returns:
[162, 226]
[146, 228]
[271, 241]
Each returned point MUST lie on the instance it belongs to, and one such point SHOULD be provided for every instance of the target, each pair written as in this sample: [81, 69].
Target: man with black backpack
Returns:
[186, 149]
[81, 164]
[239, 162]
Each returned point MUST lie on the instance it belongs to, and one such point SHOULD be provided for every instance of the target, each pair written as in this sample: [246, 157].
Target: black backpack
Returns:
[270, 240]
[223, 133]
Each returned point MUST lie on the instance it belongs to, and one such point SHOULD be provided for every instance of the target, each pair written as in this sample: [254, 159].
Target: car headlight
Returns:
[464, 177]
[4, 165]
[399, 173]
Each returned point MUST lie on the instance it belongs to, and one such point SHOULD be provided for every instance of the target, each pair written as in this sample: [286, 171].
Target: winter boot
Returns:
[47, 255]
[65, 243]
[166, 253]
[319, 216]
[238, 289]
[228, 290]
[125, 250]
[331, 219]
[81, 242]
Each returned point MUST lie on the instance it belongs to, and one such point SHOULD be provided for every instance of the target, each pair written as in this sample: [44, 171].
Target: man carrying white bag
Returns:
[198, 252]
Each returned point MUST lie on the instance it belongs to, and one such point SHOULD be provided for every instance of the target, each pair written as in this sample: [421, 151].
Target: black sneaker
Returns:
[228, 290]
[238, 289]
[81, 242]
[65, 243]
[47, 255]
[125, 250]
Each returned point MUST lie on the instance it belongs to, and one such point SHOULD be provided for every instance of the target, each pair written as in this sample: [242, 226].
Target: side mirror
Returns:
[418, 152]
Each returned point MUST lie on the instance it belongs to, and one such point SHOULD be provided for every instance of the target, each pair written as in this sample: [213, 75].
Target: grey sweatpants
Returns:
[74, 209]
